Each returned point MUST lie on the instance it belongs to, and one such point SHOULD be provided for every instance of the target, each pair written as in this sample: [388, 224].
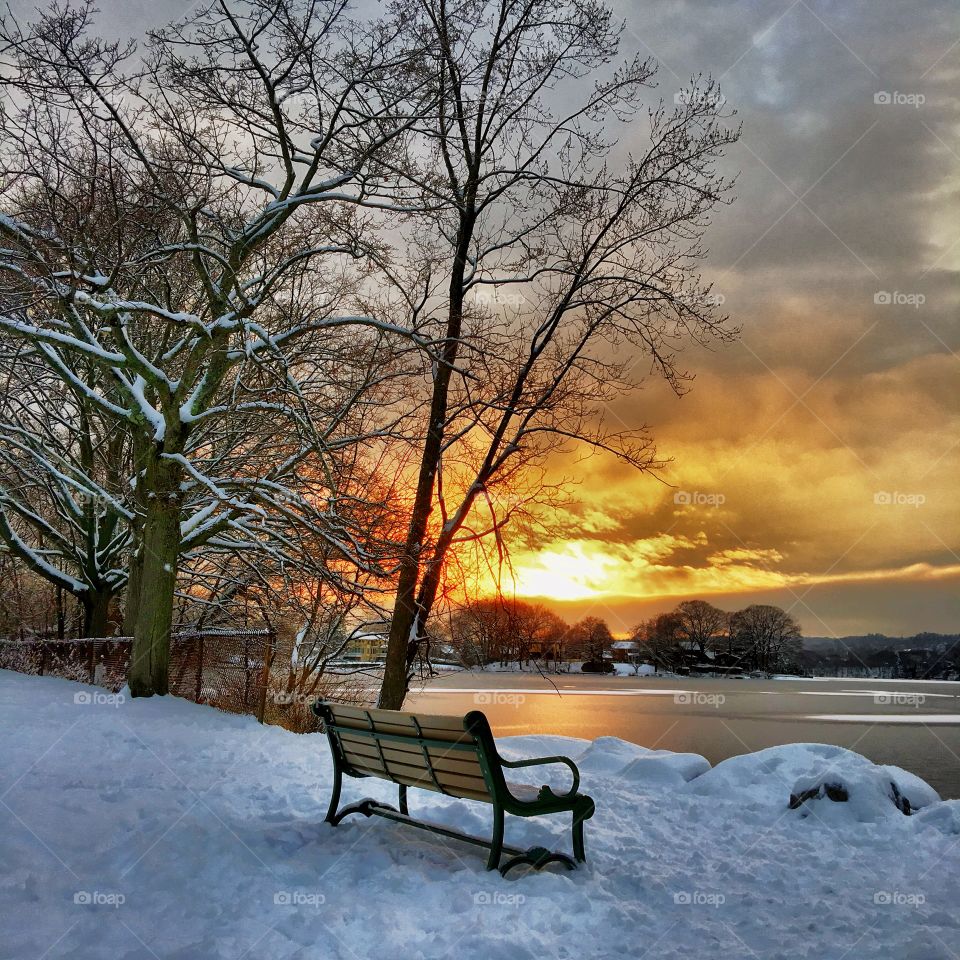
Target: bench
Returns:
[450, 755]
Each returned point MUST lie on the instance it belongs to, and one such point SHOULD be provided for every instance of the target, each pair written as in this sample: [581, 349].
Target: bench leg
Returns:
[578, 850]
[367, 807]
[496, 844]
[335, 798]
[403, 800]
[538, 858]
[581, 812]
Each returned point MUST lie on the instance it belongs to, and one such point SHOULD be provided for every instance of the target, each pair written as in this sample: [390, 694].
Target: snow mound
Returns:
[663, 768]
[821, 775]
[943, 816]
[538, 745]
[841, 793]
[631, 763]
[609, 755]
[917, 791]
[765, 775]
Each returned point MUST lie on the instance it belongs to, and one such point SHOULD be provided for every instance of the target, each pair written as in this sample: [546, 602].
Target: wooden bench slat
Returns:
[411, 753]
[452, 774]
[435, 748]
[456, 778]
[444, 777]
[390, 721]
[426, 731]
[435, 720]
[469, 788]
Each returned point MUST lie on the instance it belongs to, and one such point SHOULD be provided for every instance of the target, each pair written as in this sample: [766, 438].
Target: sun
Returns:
[568, 575]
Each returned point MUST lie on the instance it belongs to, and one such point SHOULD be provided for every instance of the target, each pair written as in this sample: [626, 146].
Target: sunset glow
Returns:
[840, 504]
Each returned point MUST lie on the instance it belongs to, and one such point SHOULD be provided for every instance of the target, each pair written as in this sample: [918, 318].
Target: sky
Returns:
[813, 463]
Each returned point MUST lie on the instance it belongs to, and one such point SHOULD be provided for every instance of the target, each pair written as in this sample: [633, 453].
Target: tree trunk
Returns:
[408, 619]
[96, 608]
[141, 452]
[132, 598]
[403, 633]
[150, 656]
[61, 615]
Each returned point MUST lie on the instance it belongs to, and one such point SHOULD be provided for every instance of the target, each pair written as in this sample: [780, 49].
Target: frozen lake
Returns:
[913, 724]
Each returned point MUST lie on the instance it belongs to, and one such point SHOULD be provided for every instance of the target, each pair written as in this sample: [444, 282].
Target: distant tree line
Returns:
[508, 630]
[694, 635]
[698, 634]
[934, 656]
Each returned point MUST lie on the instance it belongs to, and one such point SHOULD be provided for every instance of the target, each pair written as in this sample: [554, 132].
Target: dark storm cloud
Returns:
[840, 197]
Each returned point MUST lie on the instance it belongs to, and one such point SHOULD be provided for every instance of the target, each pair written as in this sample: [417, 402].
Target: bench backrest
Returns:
[419, 750]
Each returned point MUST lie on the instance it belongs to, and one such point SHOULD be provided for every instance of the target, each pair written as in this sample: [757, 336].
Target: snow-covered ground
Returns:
[163, 829]
[570, 666]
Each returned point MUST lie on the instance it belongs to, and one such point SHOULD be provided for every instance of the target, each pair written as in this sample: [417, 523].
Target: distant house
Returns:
[625, 651]
[709, 661]
[914, 663]
[367, 647]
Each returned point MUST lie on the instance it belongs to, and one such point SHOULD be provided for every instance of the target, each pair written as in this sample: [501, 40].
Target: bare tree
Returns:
[505, 629]
[589, 639]
[30, 604]
[659, 639]
[701, 623]
[64, 486]
[769, 634]
[544, 265]
[240, 139]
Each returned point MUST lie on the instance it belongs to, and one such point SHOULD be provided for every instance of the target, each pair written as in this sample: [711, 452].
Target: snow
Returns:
[572, 666]
[165, 829]
[921, 718]
[767, 776]
[136, 388]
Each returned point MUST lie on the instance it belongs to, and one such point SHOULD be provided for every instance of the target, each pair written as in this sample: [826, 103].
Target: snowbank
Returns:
[164, 829]
[765, 778]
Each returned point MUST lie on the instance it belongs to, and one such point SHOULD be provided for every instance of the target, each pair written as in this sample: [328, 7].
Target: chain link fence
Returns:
[228, 669]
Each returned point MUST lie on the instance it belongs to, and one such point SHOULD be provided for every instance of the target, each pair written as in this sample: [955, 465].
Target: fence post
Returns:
[199, 683]
[246, 672]
[265, 680]
[43, 657]
[91, 662]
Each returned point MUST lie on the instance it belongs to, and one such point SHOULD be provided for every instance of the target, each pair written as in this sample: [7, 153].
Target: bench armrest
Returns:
[544, 760]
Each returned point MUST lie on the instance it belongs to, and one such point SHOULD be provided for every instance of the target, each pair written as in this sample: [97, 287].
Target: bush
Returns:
[598, 666]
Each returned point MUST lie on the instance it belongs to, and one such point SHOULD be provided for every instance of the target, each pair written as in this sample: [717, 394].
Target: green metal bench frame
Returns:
[483, 746]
